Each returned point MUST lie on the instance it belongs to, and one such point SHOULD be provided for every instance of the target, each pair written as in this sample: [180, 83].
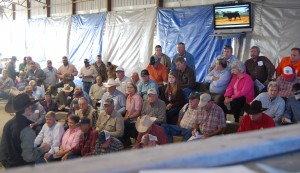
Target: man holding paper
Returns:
[210, 120]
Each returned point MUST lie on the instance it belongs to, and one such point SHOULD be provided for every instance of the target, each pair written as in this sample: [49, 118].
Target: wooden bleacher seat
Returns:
[231, 127]
[61, 117]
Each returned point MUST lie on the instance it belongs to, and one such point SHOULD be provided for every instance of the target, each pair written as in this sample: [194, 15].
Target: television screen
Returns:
[233, 16]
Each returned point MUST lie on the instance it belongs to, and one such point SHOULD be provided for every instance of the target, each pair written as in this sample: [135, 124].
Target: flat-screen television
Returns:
[232, 18]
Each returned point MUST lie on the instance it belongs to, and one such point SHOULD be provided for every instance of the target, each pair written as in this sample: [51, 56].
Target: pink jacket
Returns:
[245, 87]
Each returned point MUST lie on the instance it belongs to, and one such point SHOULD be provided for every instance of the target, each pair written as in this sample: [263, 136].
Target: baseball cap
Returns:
[144, 73]
[151, 91]
[288, 72]
[86, 61]
[108, 101]
[84, 120]
[14, 58]
[103, 136]
[204, 99]
[119, 69]
[153, 59]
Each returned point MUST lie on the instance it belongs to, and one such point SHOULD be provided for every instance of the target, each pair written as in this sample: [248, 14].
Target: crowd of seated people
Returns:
[112, 111]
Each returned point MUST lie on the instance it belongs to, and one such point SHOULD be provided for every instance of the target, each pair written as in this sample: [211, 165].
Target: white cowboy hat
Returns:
[143, 123]
[110, 83]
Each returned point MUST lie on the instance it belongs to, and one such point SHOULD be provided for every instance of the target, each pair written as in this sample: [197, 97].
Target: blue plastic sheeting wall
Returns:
[86, 38]
[191, 26]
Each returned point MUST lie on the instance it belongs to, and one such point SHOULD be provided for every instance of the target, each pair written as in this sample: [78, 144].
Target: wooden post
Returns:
[73, 7]
[48, 9]
[28, 10]
[159, 3]
[108, 5]
[13, 7]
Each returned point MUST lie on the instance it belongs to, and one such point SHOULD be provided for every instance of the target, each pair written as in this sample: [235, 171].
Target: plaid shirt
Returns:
[210, 120]
[285, 86]
[87, 142]
[188, 116]
[115, 145]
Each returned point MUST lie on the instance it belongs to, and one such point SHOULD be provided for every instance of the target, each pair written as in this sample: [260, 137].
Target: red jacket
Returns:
[86, 147]
[247, 124]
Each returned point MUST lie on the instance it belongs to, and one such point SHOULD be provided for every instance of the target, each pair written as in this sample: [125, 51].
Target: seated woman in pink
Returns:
[70, 138]
[134, 104]
[239, 91]
[173, 96]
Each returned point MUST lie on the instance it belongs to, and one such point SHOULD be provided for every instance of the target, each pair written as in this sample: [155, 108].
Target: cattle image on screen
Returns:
[232, 16]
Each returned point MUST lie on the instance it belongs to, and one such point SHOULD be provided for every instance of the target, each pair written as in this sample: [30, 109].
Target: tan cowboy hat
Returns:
[19, 103]
[67, 88]
[110, 83]
[143, 123]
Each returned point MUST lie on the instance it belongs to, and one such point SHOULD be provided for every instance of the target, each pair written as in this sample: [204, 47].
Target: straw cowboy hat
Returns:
[143, 123]
[67, 88]
[110, 83]
[19, 103]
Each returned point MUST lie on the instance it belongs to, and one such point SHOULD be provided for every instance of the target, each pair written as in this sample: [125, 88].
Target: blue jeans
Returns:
[173, 130]
[87, 86]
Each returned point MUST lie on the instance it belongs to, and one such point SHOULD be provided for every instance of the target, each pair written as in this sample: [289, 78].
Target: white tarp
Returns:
[128, 38]
[47, 38]
[12, 34]
[276, 29]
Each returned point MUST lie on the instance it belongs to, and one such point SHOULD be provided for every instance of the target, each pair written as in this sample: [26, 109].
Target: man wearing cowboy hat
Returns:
[145, 124]
[16, 148]
[64, 97]
[118, 97]
[255, 118]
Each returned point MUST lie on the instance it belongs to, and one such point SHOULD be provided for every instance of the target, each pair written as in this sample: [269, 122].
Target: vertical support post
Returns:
[13, 8]
[159, 3]
[28, 10]
[73, 7]
[48, 8]
[108, 5]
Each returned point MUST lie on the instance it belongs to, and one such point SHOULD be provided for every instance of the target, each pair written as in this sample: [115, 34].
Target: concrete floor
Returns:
[4, 117]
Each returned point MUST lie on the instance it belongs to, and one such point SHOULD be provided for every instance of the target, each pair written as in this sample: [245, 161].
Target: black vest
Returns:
[11, 133]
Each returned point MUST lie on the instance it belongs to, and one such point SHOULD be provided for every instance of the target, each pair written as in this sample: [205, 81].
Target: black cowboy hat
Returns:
[254, 108]
[19, 103]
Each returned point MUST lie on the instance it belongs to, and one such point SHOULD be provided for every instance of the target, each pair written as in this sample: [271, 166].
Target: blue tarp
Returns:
[193, 27]
[86, 38]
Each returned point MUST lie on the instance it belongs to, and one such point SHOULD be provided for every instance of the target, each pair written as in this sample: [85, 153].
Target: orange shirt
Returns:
[158, 75]
[285, 61]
